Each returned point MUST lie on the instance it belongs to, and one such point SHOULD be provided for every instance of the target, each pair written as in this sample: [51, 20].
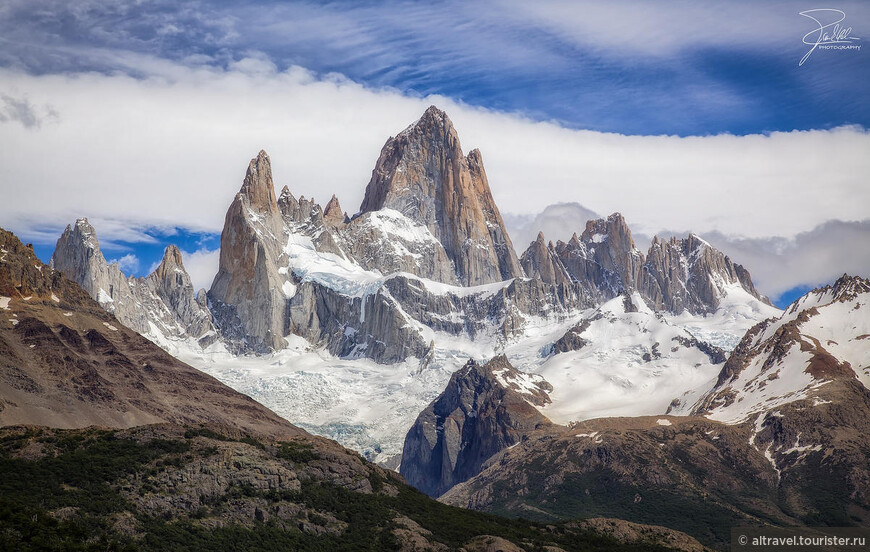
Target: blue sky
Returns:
[685, 68]
[645, 69]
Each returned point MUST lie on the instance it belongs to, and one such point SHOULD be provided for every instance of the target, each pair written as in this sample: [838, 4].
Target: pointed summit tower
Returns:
[248, 302]
[423, 174]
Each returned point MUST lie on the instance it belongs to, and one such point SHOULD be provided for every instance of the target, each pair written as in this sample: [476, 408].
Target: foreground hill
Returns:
[65, 362]
[781, 437]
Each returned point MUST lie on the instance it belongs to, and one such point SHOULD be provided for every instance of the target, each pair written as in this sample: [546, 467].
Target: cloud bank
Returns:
[170, 150]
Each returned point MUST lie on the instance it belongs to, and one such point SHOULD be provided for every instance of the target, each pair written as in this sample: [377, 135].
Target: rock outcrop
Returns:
[160, 306]
[248, 302]
[483, 410]
[172, 284]
[676, 275]
[423, 174]
[690, 274]
[540, 261]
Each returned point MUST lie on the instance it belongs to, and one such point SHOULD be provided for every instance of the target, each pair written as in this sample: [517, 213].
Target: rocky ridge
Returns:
[674, 276]
[484, 409]
[820, 338]
[162, 305]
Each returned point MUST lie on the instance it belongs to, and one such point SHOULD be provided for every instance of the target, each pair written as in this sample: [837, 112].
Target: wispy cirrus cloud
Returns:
[629, 67]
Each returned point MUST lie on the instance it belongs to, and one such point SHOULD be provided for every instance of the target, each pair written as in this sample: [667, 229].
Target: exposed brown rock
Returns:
[249, 304]
[333, 213]
[540, 261]
[423, 174]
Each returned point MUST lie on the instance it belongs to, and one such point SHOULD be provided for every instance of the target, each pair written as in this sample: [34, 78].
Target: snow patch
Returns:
[663, 422]
[4, 302]
[111, 327]
[54, 298]
[103, 297]
[289, 289]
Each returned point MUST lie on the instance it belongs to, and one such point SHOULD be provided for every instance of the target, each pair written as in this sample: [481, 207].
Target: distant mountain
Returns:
[558, 221]
[161, 306]
[675, 276]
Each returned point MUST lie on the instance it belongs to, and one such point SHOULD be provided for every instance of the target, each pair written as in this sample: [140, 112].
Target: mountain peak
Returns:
[333, 210]
[423, 174]
[171, 262]
[258, 186]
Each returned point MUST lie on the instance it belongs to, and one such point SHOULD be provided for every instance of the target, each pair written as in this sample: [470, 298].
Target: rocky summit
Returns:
[423, 174]
[249, 304]
[483, 410]
[161, 306]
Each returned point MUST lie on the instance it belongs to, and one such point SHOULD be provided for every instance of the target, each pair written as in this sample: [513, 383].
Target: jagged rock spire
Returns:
[333, 212]
[246, 291]
[423, 174]
[258, 186]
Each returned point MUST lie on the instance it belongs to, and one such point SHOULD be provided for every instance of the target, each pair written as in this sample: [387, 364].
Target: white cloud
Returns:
[645, 29]
[129, 263]
[171, 150]
[202, 266]
[809, 259]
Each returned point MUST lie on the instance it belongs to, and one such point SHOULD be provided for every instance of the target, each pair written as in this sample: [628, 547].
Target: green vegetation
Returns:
[296, 452]
[72, 497]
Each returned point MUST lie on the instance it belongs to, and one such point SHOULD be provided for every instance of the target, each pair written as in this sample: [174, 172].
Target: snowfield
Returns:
[369, 407]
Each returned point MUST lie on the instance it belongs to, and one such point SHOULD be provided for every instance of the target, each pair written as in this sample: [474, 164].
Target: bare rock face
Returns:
[161, 305]
[483, 410]
[423, 174]
[603, 262]
[540, 261]
[172, 284]
[333, 213]
[690, 274]
[604, 259]
[248, 301]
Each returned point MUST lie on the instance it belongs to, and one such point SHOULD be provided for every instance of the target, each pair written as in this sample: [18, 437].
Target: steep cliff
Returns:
[423, 174]
[248, 302]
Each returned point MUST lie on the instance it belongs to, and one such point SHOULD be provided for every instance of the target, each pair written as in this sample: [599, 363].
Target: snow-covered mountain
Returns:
[781, 432]
[351, 325]
[821, 337]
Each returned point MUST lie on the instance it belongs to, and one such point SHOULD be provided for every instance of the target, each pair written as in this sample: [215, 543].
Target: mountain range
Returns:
[579, 378]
